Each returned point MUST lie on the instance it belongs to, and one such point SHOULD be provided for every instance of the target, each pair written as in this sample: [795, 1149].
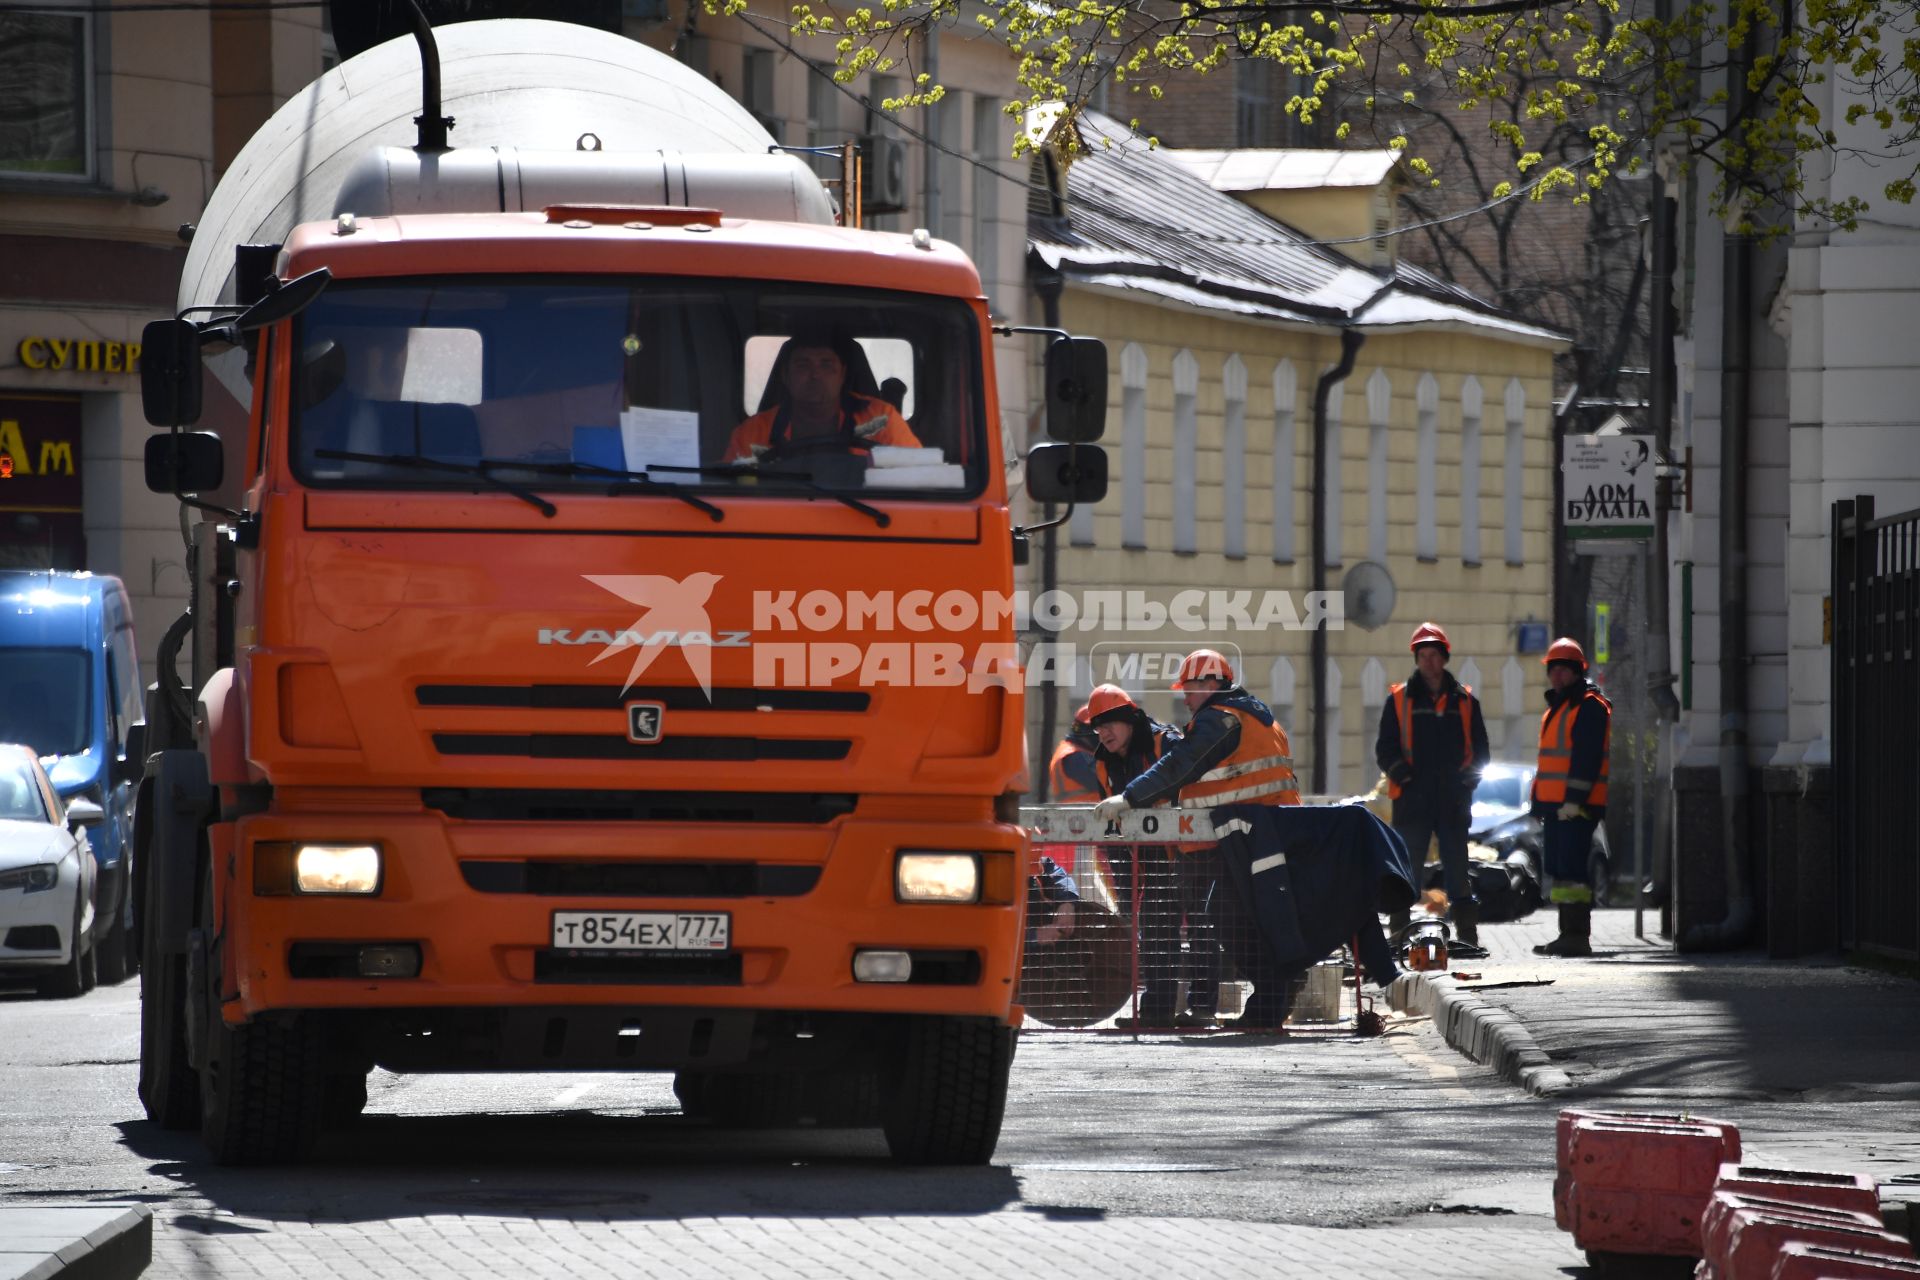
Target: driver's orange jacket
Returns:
[864, 421]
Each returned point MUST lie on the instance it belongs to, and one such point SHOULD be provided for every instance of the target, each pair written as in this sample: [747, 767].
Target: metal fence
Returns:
[1876, 727]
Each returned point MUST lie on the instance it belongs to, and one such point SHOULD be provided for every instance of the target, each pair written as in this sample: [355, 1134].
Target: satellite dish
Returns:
[1369, 591]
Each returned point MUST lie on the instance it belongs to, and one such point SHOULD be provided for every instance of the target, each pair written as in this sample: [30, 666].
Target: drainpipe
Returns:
[1736, 354]
[1660, 396]
[930, 123]
[1049, 285]
[1350, 341]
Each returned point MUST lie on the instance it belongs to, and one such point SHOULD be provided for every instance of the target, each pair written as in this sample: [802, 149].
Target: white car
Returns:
[48, 880]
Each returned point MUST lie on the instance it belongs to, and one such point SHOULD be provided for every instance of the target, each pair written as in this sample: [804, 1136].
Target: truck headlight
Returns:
[937, 877]
[336, 868]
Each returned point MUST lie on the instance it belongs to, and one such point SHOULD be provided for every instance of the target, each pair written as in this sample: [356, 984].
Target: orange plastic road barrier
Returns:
[1563, 1144]
[1855, 1191]
[1799, 1261]
[1641, 1188]
[1757, 1237]
[1717, 1224]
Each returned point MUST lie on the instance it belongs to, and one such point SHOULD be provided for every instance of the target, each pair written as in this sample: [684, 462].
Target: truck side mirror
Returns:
[1068, 473]
[170, 373]
[185, 462]
[1077, 389]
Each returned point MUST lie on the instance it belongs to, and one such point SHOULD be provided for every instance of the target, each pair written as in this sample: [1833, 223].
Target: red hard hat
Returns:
[1081, 715]
[1109, 698]
[1566, 649]
[1430, 633]
[1202, 663]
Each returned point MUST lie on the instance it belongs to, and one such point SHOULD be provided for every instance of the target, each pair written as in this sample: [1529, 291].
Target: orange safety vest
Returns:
[1062, 788]
[1556, 752]
[866, 420]
[1403, 712]
[1260, 770]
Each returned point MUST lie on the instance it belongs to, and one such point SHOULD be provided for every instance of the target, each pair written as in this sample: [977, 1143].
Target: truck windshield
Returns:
[730, 388]
[43, 700]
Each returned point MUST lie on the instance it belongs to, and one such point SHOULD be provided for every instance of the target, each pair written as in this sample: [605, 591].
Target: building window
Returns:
[1233, 460]
[1426, 536]
[1514, 479]
[1373, 697]
[46, 95]
[1186, 432]
[1336, 486]
[1285, 388]
[1336, 727]
[1133, 446]
[1280, 686]
[1379, 411]
[756, 86]
[947, 116]
[991, 146]
[823, 119]
[1470, 408]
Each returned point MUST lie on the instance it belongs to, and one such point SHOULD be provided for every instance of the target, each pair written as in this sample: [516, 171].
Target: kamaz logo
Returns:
[643, 639]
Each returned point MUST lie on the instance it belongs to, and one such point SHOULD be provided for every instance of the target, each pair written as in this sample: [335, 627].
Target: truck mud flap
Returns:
[182, 800]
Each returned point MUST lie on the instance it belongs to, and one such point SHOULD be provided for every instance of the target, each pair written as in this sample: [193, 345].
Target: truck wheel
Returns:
[693, 1089]
[169, 1086]
[263, 1088]
[70, 979]
[345, 1098]
[944, 1103]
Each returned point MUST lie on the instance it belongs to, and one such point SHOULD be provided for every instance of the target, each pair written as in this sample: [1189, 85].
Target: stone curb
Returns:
[75, 1241]
[1485, 1033]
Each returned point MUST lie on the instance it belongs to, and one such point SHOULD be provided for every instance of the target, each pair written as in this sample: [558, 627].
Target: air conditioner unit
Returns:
[883, 188]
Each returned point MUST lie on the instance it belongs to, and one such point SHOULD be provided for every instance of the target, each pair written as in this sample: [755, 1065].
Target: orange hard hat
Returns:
[1430, 633]
[1566, 649]
[1202, 663]
[1081, 715]
[1106, 698]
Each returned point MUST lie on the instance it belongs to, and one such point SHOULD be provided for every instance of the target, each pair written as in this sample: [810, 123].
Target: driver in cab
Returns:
[815, 404]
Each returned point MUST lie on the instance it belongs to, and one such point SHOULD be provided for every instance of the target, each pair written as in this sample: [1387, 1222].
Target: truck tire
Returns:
[169, 1086]
[944, 1102]
[263, 1089]
[345, 1098]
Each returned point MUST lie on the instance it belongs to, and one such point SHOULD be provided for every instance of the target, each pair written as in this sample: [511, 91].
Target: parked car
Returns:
[49, 879]
[1503, 821]
[70, 689]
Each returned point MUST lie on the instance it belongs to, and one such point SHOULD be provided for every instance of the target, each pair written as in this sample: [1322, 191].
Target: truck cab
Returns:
[70, 690]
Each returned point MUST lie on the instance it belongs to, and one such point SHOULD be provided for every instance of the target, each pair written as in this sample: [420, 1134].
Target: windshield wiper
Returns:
[638, 479]
[419, 463]
[880, 517]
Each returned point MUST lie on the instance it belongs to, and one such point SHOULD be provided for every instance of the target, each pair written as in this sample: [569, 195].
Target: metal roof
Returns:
[1287, 169]
[1142, 217]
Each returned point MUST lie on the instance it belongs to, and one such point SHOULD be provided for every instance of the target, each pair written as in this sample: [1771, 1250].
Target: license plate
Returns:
[642, 930]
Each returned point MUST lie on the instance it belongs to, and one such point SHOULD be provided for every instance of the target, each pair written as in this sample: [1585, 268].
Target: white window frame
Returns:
[1472, 404]
[90, 143]
[1233, 459]
[1133, 446]
[1336, 484]
[1186, 448]
[1426, 535]
[1514, 478]
[1286, 390]
[1379, 416]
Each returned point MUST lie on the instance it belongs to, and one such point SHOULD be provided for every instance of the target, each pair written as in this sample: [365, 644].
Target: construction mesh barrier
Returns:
[1139, 937]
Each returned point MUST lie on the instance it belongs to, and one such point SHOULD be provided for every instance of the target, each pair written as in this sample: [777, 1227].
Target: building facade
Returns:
[117, 126]
[1438, 468]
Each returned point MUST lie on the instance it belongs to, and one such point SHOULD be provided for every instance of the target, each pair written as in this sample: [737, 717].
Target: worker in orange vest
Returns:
[1234, 752]
[1071, 778]
[1570, 790]
[1174, 883]
[1432, 747]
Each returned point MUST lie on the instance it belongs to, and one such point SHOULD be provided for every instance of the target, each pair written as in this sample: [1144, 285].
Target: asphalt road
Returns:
[1238, 1138]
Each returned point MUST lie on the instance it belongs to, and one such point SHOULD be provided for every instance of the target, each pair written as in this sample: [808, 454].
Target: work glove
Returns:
[1569, 811]
[1110, 808]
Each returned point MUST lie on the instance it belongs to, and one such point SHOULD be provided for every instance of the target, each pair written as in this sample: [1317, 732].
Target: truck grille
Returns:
[602, 697]
[576, 879]
[501, 804]
[595, 746]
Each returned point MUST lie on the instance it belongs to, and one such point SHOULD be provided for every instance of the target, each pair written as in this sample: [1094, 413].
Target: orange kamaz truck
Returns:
[597, 656]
